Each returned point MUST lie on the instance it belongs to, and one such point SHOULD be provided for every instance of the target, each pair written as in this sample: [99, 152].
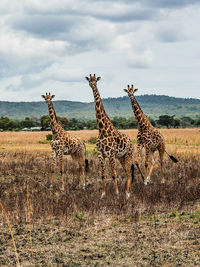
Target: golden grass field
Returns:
[158, 226]
[178, 140]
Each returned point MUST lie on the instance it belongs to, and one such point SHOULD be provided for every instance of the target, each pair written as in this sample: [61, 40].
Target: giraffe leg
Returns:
[103, 173]
[82, 171]
[77, 158]
[122, 161]
[138, 155]
[62, 171]
[130, 169]
[114, 173]
[126, 163]
[79, 173]
[147, 178]
[161, 154]
[53, 167]
[151, 167]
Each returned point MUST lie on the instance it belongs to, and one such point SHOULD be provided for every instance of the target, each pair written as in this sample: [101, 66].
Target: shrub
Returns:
[49, 137]
[92, 140]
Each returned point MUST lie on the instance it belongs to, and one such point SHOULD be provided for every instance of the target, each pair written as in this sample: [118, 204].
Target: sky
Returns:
[50, 46]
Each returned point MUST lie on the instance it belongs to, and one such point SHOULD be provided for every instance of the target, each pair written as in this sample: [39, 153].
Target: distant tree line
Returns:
[43, 123]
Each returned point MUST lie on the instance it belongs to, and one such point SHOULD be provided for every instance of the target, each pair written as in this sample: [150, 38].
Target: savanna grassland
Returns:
[41, 226]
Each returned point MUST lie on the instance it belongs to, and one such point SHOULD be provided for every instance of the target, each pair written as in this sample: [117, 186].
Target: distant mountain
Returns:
[152, 105]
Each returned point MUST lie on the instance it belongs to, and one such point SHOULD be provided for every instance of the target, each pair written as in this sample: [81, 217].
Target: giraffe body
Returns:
[111, 143]
[64, 144]
[148, 137]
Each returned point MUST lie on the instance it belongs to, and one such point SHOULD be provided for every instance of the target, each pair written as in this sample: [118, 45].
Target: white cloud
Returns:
[20, 54]
[56, 43]
[144, 60]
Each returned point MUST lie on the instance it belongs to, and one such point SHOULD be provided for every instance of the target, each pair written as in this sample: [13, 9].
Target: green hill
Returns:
[153, 106]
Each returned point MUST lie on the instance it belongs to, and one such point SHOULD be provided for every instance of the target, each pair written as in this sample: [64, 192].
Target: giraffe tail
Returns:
[132, 172]
[86, 165]
[86, 160]
[172, 157]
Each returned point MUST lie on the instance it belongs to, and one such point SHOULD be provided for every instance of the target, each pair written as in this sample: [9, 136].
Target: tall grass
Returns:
[11, 232]
[18, 169]
[29, 218]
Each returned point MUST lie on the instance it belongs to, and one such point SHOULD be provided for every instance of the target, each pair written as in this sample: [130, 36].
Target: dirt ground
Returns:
[171, 239]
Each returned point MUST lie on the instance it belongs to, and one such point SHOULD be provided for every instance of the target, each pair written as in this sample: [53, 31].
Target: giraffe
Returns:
[64, 144]
[111, 143]
[148, 137]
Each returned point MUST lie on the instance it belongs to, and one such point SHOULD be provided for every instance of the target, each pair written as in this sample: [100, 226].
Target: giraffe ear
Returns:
[87, 78]
[98, 78]
[52, 96]
[135, 90]
[125, 90]
[43, 96]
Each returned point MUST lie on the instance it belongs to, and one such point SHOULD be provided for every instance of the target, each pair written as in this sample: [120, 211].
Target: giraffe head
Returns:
[48, 97]
[130, 91]
[92, 80]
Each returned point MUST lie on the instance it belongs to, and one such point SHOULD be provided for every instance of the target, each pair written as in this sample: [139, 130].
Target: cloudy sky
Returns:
[52, 45]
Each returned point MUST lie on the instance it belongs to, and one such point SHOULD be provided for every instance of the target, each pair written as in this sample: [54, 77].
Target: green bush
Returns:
[92, 140]
[49, 137]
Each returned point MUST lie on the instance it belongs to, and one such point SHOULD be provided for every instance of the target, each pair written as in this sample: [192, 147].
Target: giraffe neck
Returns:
[142, 119]
[54, 124]
[103, 121]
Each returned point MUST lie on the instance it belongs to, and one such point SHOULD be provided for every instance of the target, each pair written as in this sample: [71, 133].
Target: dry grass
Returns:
[159, 225]
[178, 140]
[11, 233]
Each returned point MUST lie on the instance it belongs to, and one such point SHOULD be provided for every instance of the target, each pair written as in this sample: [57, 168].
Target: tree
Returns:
[152, 121]
[177, 123]
[7, 124]
[132, 123]
[187, 121]
[65, 122]
[197, 122]
[45, 122]
[166, 120]
[91, 124]
[120, 122]
[27, 123]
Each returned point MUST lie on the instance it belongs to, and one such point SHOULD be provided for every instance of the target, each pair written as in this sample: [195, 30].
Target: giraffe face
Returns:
[48, 97]
[130, 91]
[93, 80]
